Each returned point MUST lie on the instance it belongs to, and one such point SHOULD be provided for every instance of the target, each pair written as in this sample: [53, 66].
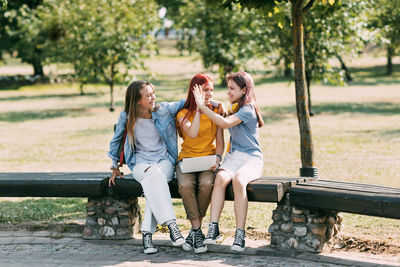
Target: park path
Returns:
[43, 248]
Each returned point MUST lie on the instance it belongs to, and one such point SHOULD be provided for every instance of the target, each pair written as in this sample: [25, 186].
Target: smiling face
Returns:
[208, 92]
[234, 92]
[148, 98]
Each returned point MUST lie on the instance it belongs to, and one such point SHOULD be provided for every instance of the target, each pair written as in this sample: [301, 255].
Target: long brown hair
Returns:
[132, 97]
[244, 80]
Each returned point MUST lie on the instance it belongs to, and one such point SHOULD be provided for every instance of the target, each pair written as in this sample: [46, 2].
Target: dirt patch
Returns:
[371, 247]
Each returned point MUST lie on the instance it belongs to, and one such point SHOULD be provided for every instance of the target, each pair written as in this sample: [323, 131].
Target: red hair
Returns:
[190, 104]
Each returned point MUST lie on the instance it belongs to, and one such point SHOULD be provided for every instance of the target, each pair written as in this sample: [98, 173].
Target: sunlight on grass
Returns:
[51, 127]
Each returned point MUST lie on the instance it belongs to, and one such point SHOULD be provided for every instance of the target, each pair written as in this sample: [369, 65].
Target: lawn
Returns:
[356, 134]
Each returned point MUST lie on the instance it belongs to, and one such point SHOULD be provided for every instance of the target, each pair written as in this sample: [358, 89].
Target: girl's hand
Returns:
[222, 110]
[216, 165]
[115, 174]
[198, 96]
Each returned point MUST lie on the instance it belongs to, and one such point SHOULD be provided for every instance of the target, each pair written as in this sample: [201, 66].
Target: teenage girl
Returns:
[199, 134]
[244, 161]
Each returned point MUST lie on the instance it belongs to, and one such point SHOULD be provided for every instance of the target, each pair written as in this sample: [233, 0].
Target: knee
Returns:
[221, 180]
[239, 183]
[206, 186]
[185, 187]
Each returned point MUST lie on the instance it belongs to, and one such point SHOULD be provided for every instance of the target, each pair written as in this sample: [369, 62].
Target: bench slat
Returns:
[55, 184]
[332, 196]
[354, 186]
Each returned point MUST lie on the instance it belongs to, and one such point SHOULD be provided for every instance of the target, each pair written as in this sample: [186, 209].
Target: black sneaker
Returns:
[238, 244]
[198, 244]
[175, 235]
[148, 244]
[213, 234]
[188, 245]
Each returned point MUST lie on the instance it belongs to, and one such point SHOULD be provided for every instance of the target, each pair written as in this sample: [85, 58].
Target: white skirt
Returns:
[247, 165]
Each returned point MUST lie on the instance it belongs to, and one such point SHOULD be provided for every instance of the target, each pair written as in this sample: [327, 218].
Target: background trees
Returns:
[19, 35]
[102, 41]
[384, 19]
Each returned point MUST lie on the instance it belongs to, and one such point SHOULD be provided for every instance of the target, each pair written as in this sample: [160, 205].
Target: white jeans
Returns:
[154, 179]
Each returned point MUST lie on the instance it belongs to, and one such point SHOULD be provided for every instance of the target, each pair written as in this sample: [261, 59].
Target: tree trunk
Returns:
[306, 145]
[37, 67]
[81, 88]
[389, 66]
[287, 72]
[308, 83]
[346, 70]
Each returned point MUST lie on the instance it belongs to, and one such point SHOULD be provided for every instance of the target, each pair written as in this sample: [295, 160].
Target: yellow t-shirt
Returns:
[203, 144]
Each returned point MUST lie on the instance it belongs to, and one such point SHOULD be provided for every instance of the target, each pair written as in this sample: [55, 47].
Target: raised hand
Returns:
[198, 96]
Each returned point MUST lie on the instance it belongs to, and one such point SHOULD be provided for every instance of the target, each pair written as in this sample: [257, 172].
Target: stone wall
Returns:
[303, 229]
[112, 218]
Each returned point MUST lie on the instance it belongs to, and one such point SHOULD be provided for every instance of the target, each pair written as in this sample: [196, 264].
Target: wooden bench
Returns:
[349, 197]
[95, 184]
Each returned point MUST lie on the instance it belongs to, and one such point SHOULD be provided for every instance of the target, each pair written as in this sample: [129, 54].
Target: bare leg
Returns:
[222, 180]
[239, 184]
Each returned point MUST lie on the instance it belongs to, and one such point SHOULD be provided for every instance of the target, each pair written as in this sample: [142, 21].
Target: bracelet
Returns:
[219, 156]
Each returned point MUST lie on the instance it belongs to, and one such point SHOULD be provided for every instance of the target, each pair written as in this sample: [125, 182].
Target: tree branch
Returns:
[308, 6]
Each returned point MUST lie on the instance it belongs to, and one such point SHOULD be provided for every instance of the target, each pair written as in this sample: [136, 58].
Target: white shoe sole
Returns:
[237, 248]
[150, 250]
[179, 242]
[200, 250]
[187, 247]
[209, 241]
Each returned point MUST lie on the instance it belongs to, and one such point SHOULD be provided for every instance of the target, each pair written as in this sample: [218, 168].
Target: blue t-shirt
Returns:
[244, 136]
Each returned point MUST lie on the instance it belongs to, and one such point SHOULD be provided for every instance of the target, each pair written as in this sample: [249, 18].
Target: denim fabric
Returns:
[164, 121]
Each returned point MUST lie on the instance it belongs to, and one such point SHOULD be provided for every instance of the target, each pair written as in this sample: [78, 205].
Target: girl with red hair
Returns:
[201, 137]
[244, 161]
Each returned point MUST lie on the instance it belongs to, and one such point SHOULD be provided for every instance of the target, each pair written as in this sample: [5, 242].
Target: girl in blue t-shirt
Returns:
[244, 161]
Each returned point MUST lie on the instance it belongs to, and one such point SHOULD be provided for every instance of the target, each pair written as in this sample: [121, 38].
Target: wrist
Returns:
[219, 156]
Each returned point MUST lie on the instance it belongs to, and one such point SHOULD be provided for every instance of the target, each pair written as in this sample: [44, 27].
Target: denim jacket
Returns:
[164, 121]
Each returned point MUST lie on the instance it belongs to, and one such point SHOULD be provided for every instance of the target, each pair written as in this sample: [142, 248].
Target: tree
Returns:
[298, 9]
[224, 38]
[102, 41]
[385, 20]
[17, 34]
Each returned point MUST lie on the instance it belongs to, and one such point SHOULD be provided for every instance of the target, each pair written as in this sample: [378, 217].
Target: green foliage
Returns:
[102, 41]
[3, 4]
[18, 33]
[222, 37]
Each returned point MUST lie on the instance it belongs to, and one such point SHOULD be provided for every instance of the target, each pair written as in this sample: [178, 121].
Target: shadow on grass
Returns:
[21, 116]
[382, 108]
[41, 209]
[280, 113]
[47, 96]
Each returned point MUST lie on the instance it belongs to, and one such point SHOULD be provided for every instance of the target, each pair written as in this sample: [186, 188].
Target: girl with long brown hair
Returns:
[244, 161]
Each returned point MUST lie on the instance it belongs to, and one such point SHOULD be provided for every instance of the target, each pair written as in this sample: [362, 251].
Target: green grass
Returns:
[43, 209]
[355, 132]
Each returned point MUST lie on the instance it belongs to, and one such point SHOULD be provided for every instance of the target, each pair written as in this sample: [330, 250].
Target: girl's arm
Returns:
[219, 141]
[191, 129]
[222, 122]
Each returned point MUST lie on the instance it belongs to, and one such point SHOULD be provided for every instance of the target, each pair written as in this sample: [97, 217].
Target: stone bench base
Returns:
[112, 218]
[303, 229]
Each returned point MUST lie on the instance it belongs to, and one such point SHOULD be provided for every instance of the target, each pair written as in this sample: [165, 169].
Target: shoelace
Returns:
[212, 229]
[147, 242]
[239, 237]
[174, 231]
[198, 240]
